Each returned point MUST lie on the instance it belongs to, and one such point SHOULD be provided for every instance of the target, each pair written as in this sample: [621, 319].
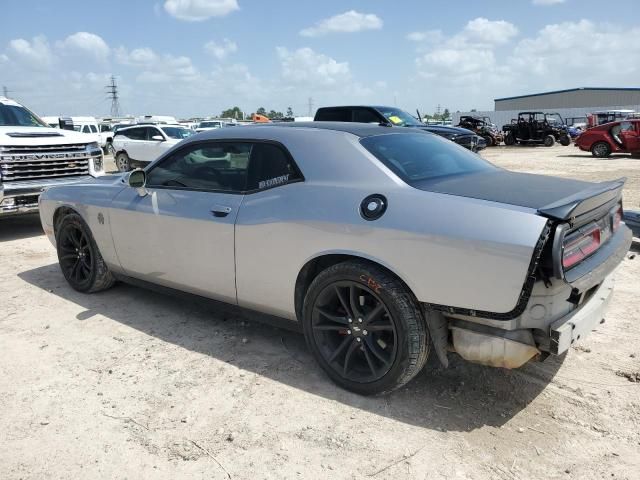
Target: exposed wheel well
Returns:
[316, 265]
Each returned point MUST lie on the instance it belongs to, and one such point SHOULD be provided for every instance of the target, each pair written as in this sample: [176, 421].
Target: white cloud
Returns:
[306, 66]
[35, 53]
[156, 67]
[199, 10]
[482, 30]
[348, 22]
[547, 2]
[431, 36]
[221, 50]
[85, 43]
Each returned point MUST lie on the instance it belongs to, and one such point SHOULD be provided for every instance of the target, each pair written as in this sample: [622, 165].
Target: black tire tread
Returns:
[405, 302]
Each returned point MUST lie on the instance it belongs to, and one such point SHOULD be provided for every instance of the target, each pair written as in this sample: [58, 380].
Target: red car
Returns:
[615, 137]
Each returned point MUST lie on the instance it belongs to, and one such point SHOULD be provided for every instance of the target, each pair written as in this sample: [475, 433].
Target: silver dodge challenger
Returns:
[381, 244]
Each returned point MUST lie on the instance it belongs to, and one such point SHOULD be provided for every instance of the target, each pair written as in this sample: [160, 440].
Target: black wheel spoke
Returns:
[340, 349]
[69, 256]
[367, 356]
[341, 319]
[347, 358]
[75, 254]
[354, 298]
[380, 328]
[330, 328]
[373, 315]
[374, 348]
[343, 302]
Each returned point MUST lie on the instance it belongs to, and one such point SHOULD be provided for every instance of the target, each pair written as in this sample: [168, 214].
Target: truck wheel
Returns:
[489, 140]
[600, 150]
[549, 141]
[365, 328]
[122, 162]
[509, 140]
[79, 257]
[565, 140]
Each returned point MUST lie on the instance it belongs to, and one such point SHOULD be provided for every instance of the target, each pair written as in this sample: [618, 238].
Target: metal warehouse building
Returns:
[571, 98]
[574, 103]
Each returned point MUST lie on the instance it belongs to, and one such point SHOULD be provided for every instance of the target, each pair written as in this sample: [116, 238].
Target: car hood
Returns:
[35, 136]
[447, 130]
[521, 189]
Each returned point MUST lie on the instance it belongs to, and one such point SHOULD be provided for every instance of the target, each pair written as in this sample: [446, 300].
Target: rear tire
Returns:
[509, 140]
[565, 140]
[79, 258]
[489, 140]
[123, 162]
[365, 328]
[549, 141]
[600, 150]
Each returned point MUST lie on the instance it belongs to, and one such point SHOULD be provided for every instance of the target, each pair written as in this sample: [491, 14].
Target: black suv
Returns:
[394, 117]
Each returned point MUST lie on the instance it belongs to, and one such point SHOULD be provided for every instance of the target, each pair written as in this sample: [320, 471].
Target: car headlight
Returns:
[92, 146]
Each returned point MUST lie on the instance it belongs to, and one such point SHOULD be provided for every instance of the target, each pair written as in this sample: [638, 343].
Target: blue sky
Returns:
[196, 57]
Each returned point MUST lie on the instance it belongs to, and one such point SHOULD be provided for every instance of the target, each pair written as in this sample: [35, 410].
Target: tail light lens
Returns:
[579, 246]
[616, 218]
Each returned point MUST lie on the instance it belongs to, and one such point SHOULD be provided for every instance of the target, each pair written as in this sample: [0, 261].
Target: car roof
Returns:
[358, 129]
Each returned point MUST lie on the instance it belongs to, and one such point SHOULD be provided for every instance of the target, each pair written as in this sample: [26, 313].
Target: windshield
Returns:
[415, 157]
[14, 115]
[177, 132]
[399, 118]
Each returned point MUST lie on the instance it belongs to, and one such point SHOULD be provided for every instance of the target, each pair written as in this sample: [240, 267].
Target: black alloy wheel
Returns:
[354, 331]
[80, 260]
[364, 327]
[75, 255]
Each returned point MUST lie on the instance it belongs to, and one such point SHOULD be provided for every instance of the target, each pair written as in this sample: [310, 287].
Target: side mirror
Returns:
[158, 138]
[138, 180]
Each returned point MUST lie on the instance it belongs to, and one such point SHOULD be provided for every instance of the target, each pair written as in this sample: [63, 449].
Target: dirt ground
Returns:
[132, 384]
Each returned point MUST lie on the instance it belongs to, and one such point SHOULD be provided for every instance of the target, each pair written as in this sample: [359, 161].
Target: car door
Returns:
[133, 143]
[181, 233]
[266, 231]
[629, 136]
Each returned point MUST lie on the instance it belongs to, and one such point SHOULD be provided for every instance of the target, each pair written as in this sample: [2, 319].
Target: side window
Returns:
[85, 129]
[365, 115]
[135, 133]
[334, 115]
[270, 166]
[151, 132]
[627, 127]
[219, 166]
[94, 129]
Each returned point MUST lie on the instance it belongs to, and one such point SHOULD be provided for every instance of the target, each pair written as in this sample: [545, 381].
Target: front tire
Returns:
[365, 328]
[509, 139]
[489, 140]
[123, 162]
[79, 258]
[600, 150]
[549, 141]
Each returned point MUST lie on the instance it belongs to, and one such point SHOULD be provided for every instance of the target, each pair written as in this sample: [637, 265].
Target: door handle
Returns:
[220, 210]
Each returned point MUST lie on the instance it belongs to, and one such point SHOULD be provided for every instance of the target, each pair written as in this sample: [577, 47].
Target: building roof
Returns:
[626, 89]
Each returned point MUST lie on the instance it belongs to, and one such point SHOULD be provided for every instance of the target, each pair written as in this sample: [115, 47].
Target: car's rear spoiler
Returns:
[585, 201]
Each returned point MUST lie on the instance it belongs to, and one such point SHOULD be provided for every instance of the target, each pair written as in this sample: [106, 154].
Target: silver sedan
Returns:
[381, 244]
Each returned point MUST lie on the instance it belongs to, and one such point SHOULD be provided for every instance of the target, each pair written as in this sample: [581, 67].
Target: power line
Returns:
[112, 91]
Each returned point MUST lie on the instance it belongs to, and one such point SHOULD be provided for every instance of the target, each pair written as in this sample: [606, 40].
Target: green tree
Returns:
[446, 115]
[273, 115]
[234, 112]
[261, 111]
[289, 112]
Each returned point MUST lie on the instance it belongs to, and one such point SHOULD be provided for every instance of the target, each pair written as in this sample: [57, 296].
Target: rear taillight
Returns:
[577, 248]
[616, 218]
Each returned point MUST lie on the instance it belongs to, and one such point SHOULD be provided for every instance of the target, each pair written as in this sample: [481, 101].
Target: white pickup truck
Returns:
[34, 156]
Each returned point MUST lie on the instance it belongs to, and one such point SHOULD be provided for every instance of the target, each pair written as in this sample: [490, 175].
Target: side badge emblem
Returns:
[101, 219]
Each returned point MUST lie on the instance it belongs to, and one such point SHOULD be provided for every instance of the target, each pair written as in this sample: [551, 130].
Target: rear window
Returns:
[415, 157]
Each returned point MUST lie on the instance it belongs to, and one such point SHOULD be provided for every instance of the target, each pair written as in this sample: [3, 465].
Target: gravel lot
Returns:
[132, 384]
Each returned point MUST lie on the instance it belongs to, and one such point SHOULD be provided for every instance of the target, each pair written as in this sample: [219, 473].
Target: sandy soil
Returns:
[132, 384]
